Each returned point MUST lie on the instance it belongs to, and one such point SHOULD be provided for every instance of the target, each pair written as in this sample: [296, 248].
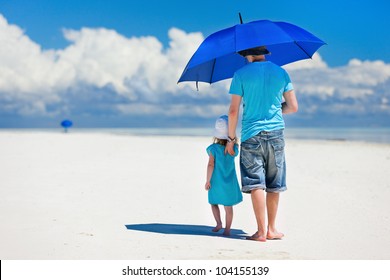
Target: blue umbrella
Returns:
[66, 124]
[217, 57]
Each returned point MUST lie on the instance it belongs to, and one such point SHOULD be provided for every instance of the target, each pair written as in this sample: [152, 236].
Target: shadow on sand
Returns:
[185, 230]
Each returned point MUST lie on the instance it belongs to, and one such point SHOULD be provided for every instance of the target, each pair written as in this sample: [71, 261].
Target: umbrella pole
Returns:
[239, 14]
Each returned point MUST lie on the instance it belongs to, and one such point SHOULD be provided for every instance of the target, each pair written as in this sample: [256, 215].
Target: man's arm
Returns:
[233, 120]
[290, 104]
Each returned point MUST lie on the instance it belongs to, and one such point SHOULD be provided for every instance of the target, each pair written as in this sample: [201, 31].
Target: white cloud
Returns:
[357, 79]
[99, 58]
[315, 62]
[24, 65]
[132, 66]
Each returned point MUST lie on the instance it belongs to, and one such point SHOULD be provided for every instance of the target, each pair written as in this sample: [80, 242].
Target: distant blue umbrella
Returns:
[66, 124]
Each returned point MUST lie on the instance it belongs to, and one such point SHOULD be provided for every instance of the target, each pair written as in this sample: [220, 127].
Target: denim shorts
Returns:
[262, 162]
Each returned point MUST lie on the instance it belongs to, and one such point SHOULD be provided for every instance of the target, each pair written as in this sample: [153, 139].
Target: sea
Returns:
[370, 135]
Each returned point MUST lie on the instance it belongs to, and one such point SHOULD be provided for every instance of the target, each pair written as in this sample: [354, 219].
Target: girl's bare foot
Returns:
[226, 232]
[217, 228]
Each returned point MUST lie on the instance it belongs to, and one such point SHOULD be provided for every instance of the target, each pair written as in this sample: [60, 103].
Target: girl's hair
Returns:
[219, 141]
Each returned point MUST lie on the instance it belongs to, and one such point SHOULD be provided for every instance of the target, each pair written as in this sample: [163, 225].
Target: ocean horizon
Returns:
[370, 135]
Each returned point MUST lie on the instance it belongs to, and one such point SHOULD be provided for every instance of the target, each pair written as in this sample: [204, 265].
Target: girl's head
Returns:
[221, 130]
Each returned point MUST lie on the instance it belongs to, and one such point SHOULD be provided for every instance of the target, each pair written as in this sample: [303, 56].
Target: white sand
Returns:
[71, 196]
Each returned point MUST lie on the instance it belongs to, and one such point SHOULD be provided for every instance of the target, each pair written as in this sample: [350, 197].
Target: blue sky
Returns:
[352, 28]
[56, 32]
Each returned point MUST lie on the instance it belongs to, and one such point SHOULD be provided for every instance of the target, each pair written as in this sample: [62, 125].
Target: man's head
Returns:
[262, 50]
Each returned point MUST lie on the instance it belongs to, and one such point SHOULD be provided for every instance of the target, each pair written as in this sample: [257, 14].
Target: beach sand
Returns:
[104, 196]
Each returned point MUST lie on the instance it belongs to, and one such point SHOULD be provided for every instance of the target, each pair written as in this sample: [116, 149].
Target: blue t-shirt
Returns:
[261, 85]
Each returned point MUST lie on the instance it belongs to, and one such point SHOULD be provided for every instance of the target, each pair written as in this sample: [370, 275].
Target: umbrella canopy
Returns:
[66, 123]
[217, 57]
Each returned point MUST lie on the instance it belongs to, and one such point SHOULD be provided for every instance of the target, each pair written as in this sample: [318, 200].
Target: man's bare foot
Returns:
[257, 237]
[217, 228]
[274, 235]
[226, 232]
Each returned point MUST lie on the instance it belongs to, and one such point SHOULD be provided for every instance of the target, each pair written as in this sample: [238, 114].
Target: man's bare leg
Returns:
[258, 202]
[272, 210]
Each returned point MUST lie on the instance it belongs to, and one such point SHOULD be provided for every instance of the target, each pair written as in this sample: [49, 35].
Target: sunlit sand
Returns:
[105, 196]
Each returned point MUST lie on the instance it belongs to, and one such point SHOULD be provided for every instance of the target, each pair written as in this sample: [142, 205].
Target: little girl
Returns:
[222, 183]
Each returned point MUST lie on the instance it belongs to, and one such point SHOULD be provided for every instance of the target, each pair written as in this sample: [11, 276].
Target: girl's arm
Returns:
[210, 169]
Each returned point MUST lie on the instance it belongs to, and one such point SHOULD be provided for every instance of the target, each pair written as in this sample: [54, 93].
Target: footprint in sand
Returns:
[86, 234]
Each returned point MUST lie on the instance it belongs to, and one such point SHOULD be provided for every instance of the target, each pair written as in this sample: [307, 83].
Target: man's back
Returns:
[261, 85]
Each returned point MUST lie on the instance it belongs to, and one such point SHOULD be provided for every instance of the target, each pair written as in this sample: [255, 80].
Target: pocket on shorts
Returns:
[278, 146]
[248, 154]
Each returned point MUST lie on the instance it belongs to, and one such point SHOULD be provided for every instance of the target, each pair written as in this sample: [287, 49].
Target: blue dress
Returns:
[225, 189]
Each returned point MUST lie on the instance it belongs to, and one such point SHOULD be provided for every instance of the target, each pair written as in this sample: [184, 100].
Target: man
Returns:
[261, 85]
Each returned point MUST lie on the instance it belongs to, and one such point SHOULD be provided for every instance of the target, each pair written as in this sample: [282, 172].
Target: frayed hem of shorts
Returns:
[278, 190]
[249, 189]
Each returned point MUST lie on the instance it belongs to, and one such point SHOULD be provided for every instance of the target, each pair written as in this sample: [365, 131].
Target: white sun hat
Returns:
[221, 127]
